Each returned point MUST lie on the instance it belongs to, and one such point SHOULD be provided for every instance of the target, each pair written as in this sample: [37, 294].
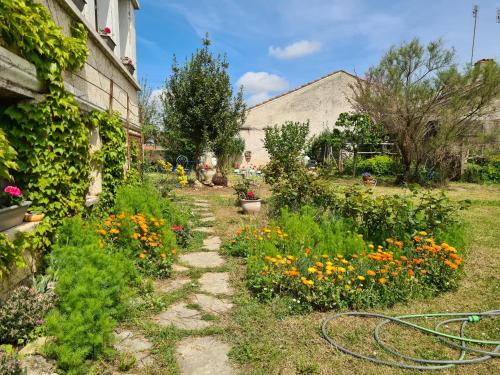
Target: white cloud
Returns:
[258, 98]
[260, 85]
[294, 50]
[256, 82]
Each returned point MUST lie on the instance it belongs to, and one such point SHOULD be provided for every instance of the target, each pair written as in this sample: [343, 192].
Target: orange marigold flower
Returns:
[307, 251]
[173, 251]
[101, 231]
[382, 280]
[142, 255]
[371, 273]
[403, 258]
[163, 255]
[114, 231]
[411, 273]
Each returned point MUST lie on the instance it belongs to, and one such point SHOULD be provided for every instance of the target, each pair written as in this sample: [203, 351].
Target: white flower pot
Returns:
[251, 206]
[13, 215]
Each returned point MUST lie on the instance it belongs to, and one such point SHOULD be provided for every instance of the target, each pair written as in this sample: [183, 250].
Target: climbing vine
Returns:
[112, 155]
[7, 157]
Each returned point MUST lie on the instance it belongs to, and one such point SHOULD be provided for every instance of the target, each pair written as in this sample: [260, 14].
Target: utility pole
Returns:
[475, 10]
[498, 15]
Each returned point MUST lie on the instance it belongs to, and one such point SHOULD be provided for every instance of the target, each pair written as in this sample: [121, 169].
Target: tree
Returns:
[427, 106]
[149, 114]
[358, 129]
[199, 106]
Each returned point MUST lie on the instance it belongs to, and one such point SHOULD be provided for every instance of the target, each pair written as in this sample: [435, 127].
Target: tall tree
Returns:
[358, 129]
[199, 106]
[426, 105]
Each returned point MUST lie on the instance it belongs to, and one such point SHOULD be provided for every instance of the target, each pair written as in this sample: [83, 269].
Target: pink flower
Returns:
[107, 30]
[13, 191]
[250, 195]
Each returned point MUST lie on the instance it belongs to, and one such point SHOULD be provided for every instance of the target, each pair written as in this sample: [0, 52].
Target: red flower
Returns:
[13, 191]
[177, 228]
[107, 30]
[250, 195]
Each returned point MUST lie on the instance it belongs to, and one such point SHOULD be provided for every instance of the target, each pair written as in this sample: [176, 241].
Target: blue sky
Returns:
[275, 45]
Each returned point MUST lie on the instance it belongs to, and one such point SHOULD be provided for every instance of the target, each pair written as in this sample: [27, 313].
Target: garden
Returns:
[183, 266]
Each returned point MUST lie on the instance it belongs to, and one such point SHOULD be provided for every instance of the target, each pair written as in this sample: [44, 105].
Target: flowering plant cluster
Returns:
[243, 190]
[106, 30]
[182, 178]
[377, 275]
[127, 61]
[11, 196]
[149, 240]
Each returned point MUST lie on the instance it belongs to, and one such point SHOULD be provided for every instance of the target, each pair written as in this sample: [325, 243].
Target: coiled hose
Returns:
[459, 342]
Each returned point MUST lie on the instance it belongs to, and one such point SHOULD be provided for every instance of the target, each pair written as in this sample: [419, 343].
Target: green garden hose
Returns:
[459, 342]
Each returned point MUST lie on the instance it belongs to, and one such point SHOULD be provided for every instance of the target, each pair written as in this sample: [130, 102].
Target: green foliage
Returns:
[326, 145]
[200, 110]
[7, 157]
[380, 165]
[113, 154]
[427, 106]
[146, 200]
[323, 263]
[52, 143]
[489, 171]
[22, 312]
[10, 254]
[92, 289]
[27, 27]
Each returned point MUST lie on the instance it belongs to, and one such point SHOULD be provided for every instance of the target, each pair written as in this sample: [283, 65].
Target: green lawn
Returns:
[266, 339]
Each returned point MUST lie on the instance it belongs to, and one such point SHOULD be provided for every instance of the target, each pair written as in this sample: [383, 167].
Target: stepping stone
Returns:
[212, 243]
[203, 356]
[179, 268]
[170, 285]
[135, 345]
[205, 205]
[208, 219]
[182, 317]
[206, 214]
[212, 304]
[38, 365]
[202, 259]
[215, 283]
[200, 201]
[204, 230]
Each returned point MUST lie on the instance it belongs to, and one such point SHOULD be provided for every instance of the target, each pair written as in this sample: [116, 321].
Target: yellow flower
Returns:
[312, 270]
[341, 269]
[362, 278]
[114, 231]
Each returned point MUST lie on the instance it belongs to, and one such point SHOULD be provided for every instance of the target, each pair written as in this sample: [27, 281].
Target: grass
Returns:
[268, 339]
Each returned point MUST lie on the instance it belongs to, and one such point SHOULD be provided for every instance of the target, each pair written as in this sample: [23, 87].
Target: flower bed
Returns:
[328, 266]
[149, 240]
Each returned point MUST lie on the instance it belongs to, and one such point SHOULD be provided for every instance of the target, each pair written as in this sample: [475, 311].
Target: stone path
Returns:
[136, 345]
[200, 355]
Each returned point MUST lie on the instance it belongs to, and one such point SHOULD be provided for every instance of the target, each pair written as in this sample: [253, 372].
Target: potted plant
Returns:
[129, 64]
[106, 35]
[12, 207]
[249, 201]
[368, 179]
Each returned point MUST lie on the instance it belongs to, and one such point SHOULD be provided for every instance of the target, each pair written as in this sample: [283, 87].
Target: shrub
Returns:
[149, 241]
[92, 288]
[146, 200]
[9, 362]
[489, 171]
[380, 165]
[22, 312]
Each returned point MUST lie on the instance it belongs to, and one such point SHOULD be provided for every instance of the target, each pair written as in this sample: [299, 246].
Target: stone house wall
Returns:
[320, 102]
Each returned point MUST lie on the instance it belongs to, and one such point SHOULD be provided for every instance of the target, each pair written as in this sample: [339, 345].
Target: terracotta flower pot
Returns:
[13, 215]
[251, 206]
[33, 218]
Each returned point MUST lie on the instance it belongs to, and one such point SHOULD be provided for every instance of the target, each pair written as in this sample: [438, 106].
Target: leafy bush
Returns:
[487, 172]
[22, 312]
[146, 200]
[9, 362]
[148, 240]
[380, 165]
[92, 288]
